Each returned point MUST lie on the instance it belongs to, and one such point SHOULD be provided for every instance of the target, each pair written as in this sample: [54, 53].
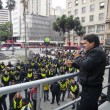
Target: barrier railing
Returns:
[38, 84]
[76, 100]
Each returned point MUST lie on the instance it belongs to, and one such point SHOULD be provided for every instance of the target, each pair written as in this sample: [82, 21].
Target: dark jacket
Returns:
[92, 67]
[55, 87]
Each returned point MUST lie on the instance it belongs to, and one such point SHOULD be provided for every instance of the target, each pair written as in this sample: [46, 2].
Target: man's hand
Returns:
[77, 55]
[68, 63]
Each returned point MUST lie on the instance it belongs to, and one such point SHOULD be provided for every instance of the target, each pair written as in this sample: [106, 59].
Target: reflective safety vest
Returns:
[18, 67]
[19, 105]
[50, 73]
[6, 79]
[30, 105]
[2, 66]
[43, 75]
[46, 86]
[39, 64]
[63, 86]
[32, 64]
[55, 65]
[73, 88]
[29, 75]
[70, 69]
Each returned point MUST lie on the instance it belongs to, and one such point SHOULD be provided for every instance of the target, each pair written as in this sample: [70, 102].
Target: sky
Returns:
[61, 3]
[55, 3]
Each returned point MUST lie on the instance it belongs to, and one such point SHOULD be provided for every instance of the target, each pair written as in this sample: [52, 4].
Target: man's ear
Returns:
[93, 44]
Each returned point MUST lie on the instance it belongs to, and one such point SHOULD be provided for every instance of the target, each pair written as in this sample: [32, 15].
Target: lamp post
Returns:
[46, 41]
[25, 6]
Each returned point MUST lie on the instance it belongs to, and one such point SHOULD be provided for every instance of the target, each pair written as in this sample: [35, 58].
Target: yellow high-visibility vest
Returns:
[43, 75]
[29, 75]
[70, 69]
[63, 86]
[6, 79]
[73, 88]
[46, 86]
[20, 104]
[2, 66]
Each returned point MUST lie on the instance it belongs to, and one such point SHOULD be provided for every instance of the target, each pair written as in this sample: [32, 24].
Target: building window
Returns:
[101, 37]
[69, 5]
[83, 19]
[76, 2]
[100, 28]
[91, 29]
[102, 4]
[69, 13]
[83, 1]
[101, 16]
[92, 8]
[76, 12]
[83, 10]
[91, 18]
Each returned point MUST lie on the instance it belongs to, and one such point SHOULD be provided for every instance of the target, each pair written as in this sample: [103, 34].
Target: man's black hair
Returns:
[93, 38]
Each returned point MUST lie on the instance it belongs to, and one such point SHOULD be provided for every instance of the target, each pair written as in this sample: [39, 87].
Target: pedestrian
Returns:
[17, 101]
[46, 92]
[55, 90]
[33, 95]
[74, 91]
[92, 67]
[26, 105]
[11, 95]
[63, 86]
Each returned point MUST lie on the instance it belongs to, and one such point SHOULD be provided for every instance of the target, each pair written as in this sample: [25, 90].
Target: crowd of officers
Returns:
[37, 67]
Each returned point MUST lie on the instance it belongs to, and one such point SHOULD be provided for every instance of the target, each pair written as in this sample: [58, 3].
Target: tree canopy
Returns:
[10, 4]
[5, 31]
[1, 4]
[66, 24]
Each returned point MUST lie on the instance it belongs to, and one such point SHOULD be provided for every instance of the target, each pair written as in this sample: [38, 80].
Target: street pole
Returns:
[25, 33]
[11, 26]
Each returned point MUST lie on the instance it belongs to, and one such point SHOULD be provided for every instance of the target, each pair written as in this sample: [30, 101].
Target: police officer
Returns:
[46, 92]
[74, 90]
[63, 86]
[17, 101]
[5, 78]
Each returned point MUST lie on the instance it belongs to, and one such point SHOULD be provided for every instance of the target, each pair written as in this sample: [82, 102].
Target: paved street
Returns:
[47, 105]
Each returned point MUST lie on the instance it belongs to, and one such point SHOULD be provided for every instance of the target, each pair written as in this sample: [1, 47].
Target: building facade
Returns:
[58, 11]
[4, 16]
[38, 21]
[38, 27]
[93, 15]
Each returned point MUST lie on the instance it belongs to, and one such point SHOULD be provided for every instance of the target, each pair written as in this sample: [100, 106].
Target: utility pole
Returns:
[25, 5]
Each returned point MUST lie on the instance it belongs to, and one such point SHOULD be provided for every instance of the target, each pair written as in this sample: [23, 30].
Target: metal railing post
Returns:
[41, 91]
[108, 92]
[38, 98]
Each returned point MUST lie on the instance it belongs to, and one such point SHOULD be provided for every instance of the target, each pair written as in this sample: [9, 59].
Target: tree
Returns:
[11, 5]
[66, 24]
[60, 25]
[5, 31]
[1, 4]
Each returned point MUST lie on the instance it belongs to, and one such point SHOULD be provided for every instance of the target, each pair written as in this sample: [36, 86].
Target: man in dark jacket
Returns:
[55, 89]
[92, 67]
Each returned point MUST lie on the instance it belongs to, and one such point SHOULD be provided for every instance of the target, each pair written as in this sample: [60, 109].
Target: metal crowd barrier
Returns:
[76, 100]
[38, 84]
